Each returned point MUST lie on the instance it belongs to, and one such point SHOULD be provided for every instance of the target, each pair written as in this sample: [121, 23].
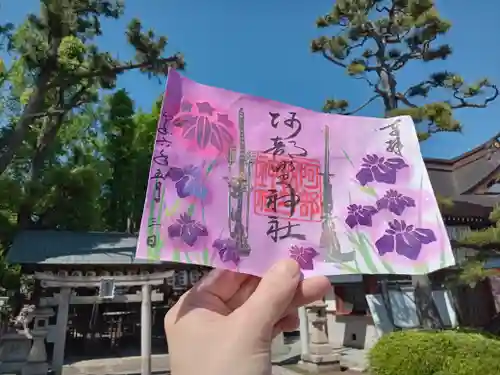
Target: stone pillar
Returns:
[37, 359]
[304, 332]
[146, 330]
[321, 357]
[60, 330]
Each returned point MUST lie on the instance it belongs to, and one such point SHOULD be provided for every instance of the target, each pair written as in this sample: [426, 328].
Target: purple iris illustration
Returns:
[359, 215]
[303, 256]
[188, 181]
[379, 169]
[227, 249]
[405, 239]
[395, 202]
[187, 229]
[205, 125]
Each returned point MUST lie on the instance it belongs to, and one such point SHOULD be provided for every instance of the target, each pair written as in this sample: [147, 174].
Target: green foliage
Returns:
[435, 353]
[64, 68]
[486, 242]
[128, 156]
[374, 40]
[71, 157]
[332, 105]
[472, 272]
[10, 277]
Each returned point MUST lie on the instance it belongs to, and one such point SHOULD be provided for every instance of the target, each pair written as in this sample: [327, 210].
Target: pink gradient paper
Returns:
[239, 182]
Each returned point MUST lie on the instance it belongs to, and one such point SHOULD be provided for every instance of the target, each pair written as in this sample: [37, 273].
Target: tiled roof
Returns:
[457, 178]
[63, 247]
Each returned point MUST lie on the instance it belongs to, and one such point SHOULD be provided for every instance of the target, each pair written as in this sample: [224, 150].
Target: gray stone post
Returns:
[61, 328]
[146, 330]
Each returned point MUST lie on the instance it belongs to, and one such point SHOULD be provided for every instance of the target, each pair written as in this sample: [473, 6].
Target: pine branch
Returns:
[362, 106]
[405, 100]
[465, 104]
[113, 72]
[416, 53]
[366, 79]
[333, 60]
[76, 100]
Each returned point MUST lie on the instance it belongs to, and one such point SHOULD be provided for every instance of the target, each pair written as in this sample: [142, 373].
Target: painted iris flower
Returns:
[228, 250]
[406, 240]
[303, 256]
[187, 229]
[379, 169]
[188, 181]
[201, 123]
[395, 202]
[359, 215]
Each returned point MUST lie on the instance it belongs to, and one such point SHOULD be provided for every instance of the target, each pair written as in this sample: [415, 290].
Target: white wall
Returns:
[363, 331]
[349, 330]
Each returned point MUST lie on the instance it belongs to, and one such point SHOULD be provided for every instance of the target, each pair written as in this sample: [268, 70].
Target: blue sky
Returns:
[261, 47]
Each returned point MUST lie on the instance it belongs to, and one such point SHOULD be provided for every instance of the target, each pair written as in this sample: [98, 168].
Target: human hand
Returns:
[225, 324]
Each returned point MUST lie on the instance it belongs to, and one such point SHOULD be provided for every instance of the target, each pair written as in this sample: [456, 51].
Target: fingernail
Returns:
[286, 268]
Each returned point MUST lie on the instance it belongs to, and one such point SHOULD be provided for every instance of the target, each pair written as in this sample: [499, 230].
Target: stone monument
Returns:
[24, 353]
[321, 356]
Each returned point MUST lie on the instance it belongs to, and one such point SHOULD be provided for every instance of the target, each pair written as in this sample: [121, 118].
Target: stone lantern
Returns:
[321, 356]
[25, 354]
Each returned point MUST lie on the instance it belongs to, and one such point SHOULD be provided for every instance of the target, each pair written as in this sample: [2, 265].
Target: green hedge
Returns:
[435, 353]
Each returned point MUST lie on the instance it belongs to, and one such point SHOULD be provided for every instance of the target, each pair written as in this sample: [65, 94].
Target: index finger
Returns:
[220, 283]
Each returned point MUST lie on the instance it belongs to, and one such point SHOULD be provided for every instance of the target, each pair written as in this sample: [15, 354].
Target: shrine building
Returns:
[105, 301]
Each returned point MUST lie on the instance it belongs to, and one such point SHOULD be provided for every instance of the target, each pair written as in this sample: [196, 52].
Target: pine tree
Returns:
[377, 39]
[486, 243]
[58, 50]
[373, 41]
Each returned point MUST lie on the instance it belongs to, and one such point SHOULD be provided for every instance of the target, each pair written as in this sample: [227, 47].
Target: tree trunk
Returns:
[37, 165]
[35, 105]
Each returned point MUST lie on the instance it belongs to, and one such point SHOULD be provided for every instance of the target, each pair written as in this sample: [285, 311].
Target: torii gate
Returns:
[66, 283]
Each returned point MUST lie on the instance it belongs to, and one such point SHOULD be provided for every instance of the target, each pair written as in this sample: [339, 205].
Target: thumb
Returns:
[266, 306]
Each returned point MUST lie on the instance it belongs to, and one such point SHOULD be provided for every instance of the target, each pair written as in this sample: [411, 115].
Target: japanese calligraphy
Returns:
[274, 119]
[153, 223]
[163, 126]
[157, 191]
[283, 170]
[277, 232]
[151, 241]
[287, 193]
[162, 140]
[280, 144]
[394, 144]
[289, 201]
[158, 175]
[279, 147]
[279, 174]
[161, 159]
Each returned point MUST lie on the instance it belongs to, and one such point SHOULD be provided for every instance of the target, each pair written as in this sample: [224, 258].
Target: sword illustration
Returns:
[238, 187]
[328, 239]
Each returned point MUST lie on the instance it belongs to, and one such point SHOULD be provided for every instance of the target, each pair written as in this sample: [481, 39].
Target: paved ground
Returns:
[354, 359]
[132, 366]
[285, 363]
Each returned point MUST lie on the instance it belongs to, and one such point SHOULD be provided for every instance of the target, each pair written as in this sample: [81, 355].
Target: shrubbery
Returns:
[435, 353]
